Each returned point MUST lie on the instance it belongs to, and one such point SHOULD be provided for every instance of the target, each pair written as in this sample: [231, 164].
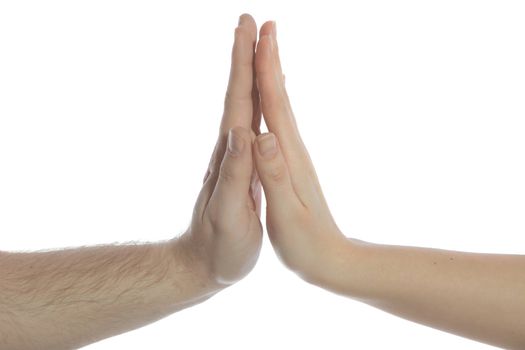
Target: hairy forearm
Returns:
[68, 298]
[479, 296]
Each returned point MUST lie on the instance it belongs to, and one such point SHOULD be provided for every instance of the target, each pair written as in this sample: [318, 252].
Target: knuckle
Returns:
[277, 173]
[242, 132]
[226, 174]
[301, 215]
[232, 98]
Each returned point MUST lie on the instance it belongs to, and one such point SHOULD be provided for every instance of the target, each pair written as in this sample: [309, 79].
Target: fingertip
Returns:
[246, 30]
[240, 35]
[246, 20]
[268, 28]
[262, 55]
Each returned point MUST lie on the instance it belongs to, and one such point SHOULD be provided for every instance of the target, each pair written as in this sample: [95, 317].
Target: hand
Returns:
[225, 234]
[299, 222]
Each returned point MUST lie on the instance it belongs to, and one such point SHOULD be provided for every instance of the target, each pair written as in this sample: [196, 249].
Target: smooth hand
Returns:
[439, 288]
[299, 222]
[225, 234]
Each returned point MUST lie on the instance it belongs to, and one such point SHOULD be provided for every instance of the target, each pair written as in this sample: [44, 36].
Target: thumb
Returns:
[235, 174]
[273, 173]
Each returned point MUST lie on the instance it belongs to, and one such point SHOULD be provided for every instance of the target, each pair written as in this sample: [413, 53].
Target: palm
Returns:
[225, 228]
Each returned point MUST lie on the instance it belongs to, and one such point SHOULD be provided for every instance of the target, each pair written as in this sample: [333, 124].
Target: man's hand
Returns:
[299, 222]
[225, 233]
[65, 299]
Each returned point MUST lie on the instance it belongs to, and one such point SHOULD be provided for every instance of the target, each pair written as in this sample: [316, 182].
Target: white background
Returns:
[413, 112]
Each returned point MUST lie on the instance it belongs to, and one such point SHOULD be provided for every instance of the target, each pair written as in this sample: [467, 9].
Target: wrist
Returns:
[190, 258]
[339, 268]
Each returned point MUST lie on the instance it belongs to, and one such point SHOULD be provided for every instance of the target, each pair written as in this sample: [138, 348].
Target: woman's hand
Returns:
[299, 222]
[439, 288]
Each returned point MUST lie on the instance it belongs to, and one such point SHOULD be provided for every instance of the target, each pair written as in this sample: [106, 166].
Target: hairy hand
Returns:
[225, 233]
[299, 222]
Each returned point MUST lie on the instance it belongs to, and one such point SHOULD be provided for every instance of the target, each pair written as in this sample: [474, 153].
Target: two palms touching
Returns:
[225, 231]
[66, 299]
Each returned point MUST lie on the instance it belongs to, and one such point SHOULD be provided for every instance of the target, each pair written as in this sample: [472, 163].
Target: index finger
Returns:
[239, 103]
[275, 105]
[279, 116]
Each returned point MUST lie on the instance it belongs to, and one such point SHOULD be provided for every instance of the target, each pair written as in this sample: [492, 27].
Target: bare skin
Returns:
[66, 299]
[478, 296]
[69, 298]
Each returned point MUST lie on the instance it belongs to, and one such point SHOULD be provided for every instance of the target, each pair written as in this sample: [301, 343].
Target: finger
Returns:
[275, 106]
[234, 180]
[239, 110]
[216, 155]
[257, 197]
[209, 181]
[238, 104]
[257, 112]
[256, 99]
[278, 114]
[274, 175]
[270, 28]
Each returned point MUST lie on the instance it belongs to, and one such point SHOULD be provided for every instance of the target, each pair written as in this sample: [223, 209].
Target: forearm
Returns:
[69, 298]
[479, 296]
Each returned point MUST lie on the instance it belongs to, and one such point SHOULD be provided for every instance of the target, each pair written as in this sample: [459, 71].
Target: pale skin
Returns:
[478, 296]
[65, 299]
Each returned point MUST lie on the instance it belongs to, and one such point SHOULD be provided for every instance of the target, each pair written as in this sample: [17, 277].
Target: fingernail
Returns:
[274, 29]
[267, 145]
[240, 20]
[235, 143]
